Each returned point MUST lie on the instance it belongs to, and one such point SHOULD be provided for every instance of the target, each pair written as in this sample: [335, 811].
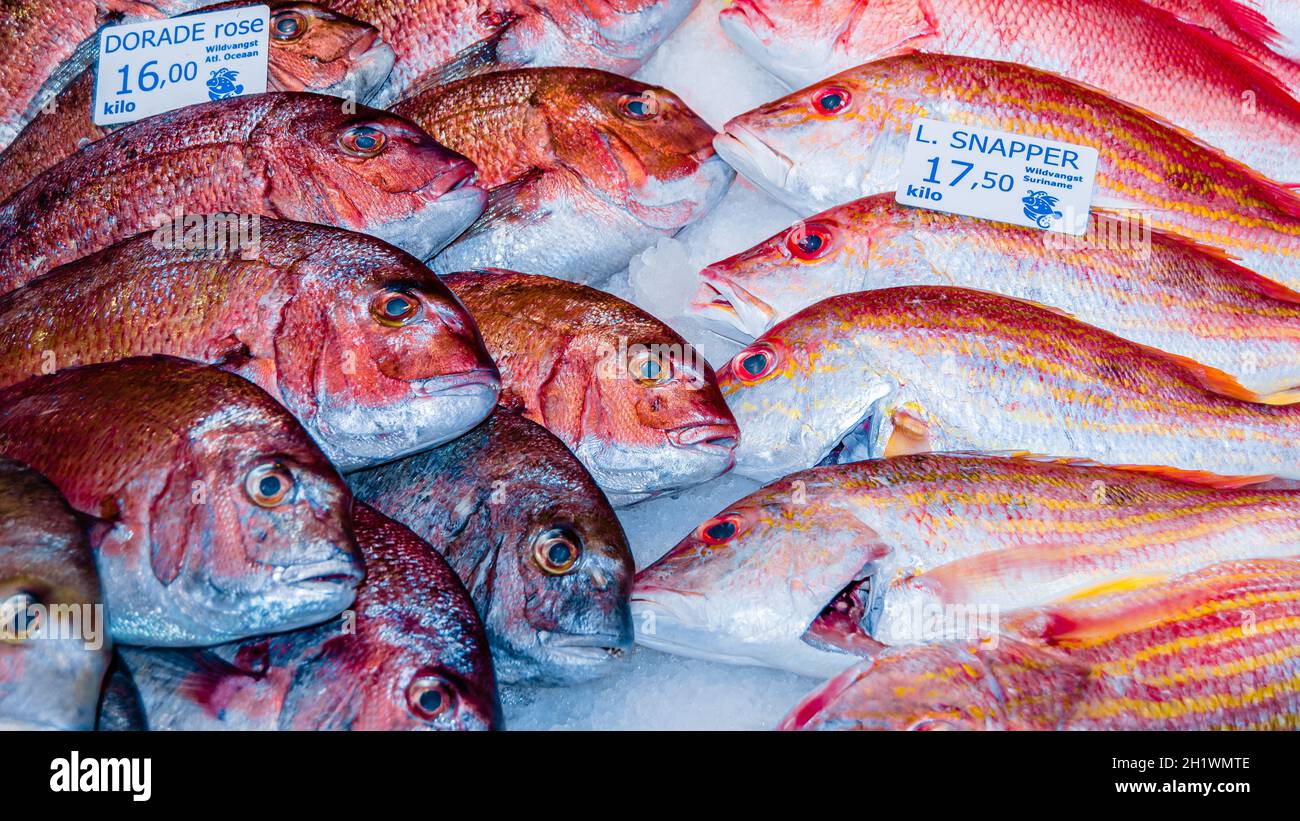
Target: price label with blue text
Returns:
[148, 68]
[998, 175]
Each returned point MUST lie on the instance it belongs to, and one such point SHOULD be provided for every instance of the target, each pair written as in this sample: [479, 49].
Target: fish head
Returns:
[772, 580]
[640, 147]
[832, 142]
[617, 35]
[379, 359]
[315, 49]
[368, 171]
[54, 647]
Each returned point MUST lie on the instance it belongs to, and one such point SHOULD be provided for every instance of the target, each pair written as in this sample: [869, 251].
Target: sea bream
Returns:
[359, 340]
[1146, 286]
[844, 560]
[1131, 51]
[220, 518]
[586, 169]
[54, 644]
[286, 155]
[311, 49]
[933, 368]
[844, 138]
[636, 403]
[409, 655]
[535, 541]
[438, 41]
[1212, 650]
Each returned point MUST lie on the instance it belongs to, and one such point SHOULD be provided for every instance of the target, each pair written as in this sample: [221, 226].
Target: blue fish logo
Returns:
[222, 84]
[1040, 207]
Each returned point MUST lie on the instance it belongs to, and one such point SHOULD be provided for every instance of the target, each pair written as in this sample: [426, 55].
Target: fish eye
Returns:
[720, 529]
[16, 622]
[269, 485]
[831, 100]
[558, 550]
[428, 697]
[639, 106]
[932, 725]
[288, 26]
[363, 141]
[755, 363]
[395, 308]
[650, 369]
[809, 242]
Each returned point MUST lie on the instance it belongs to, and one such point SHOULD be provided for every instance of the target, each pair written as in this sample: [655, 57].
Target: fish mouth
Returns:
[720, 298]
[715, 438]
[452, 202]
[471, 383]
[759, 162]
[372, 60]
[588, 648]
[331, 572]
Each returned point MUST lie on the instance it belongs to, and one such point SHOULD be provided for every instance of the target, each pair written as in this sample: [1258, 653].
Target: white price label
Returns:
[998, 175]
[148, 68]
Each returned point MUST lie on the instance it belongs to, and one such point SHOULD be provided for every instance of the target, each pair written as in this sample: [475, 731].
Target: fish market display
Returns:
[53, 647]
[286, 155]
[632, 399]
[410, 655]
[1155, 289]
[1207, 651]
[362, 343]
[532, 537]
[311, 49]
[1205, 84]
[438, 41]
[931, 368]
[219, 518]
[844, 560]
[586, 168]
[844, 138]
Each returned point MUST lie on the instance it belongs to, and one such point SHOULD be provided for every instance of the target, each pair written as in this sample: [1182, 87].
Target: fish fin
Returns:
[476, 58]
[1220, 382]
[1087, 615]
[919, 21]
[507, 204]
[911, 434]
[195, 674]
[1251, 22]
[1123, 585]
[1203, 478]
[1261, 284]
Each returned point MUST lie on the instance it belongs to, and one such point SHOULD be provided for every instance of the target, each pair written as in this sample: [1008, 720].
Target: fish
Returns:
[1283, 16]
[1150, 59]
[53, 649]
[440, 41]
[357, 339]
[1155, 289]
[843, 561]
[410, 655]
[310, 49]
[1212, 650]
[585, 169]
[286, 155]
[219, 518]
[1170, 183]
[533, 538]
[45, 43]
[1242, 26]
[635, 402]
[933, 368]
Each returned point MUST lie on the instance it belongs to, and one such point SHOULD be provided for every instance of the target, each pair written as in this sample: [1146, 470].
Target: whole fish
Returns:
[817, 160]
[1153, 288]
[1133, 52]
[360, 341]
[1208, 651]
[843, 560]
[438, 41]
[53, 647]
[633, 400]
[533, 538]
[409, 655]
[586, 169]
[284, 155]
[221, 518]
[311, 49]
[931, 368]
[45, 43]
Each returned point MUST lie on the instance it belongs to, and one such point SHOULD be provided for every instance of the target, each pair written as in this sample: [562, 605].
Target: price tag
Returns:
[998, 175]
[156, 66]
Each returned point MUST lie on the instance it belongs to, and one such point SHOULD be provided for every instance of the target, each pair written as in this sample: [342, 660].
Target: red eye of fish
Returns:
[809, 242]
[639, 106]
[558, 550]
[754, 363]
[429, 697]
[268, 485]
[395, 308]
[720, 530]
[288, 26]
[831, 100]
[363, 141]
